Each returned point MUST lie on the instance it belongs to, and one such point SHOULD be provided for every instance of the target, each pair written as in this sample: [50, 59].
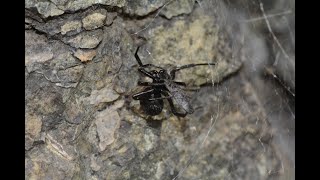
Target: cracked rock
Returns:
[85, 55]
[93, 21]
[143, 7]
[81, 73]
[37, 49]
[71, 26]
[85, 40]
[104, 95]
[178, 7]
[107, 122]
[48, 9]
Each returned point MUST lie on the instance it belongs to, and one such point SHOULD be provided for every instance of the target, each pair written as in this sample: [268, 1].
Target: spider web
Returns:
[252, 114]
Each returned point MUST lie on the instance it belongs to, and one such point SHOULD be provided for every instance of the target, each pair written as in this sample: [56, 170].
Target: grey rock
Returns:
[48, 9]
[143, 7]
[36, 48]
[199, 40]
[82, 4]
[45, 163]
[85, 40]
[33, 124]
[71, 26]
[178, 7]
[110, 17]
[93, 21]
[81, 120]
[103, 95]
[55, 8]
[107, 122]
[85, 55]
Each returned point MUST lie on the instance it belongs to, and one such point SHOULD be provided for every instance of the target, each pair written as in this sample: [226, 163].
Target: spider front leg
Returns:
[180, 83]
[145, 72]
[173, 72]
[140, 83]
[140, 63]
[137, 57]
[143, 94]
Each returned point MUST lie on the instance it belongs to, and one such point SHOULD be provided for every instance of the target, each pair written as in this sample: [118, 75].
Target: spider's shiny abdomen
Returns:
[162, 87]
[152, 107]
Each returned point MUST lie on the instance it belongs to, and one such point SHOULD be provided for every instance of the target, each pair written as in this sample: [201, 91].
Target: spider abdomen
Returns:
[152, 107]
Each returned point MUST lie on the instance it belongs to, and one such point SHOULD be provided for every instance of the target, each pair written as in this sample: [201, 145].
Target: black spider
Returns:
[162, 87]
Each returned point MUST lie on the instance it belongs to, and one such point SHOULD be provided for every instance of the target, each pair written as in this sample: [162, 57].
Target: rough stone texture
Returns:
[196, 40]
[48, 9]
[81, 122]
[33, 129]
[36, 48]
[85, 55]
[93, 21]
[71, 26]
[51, 8]
[137, 7]
[85, 40]
[103, 95]
[178, 7]
[107, 122]
[142, 7]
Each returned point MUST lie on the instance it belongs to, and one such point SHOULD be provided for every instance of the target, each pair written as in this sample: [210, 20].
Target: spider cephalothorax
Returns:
[162, 87]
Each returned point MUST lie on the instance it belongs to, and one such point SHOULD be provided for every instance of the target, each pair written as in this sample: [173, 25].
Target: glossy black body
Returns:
[162, 87]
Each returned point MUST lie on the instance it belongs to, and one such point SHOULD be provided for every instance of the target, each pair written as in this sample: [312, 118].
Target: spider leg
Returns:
[185, 86]
[173, 109]
[142, 94]
[180, 83]
[151, 65]
[149, 84]
[145, 72]
[140, 83]
[137, 57]
[173, 72]
[144, 83]
[140, 63]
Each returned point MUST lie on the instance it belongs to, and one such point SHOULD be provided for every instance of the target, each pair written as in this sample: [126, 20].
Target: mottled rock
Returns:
[70, 75]
[46, 164]
[87, 115]
[110, 17]
[198, 40]
[33, 125]
[48, 9]
[93, 21]
[107, 123]
[85, 55]
[143, 7]
[138, 7]
[178, 7]
[104, 95]
[37, 49]
[82, 4]
[55, 7]
[145, 142]
[71, 26]
[59, 3]
[54, 55]
[85, 40]
[94, 164]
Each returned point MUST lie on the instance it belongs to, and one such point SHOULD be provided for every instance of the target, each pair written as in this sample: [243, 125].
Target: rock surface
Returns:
[82, 123]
